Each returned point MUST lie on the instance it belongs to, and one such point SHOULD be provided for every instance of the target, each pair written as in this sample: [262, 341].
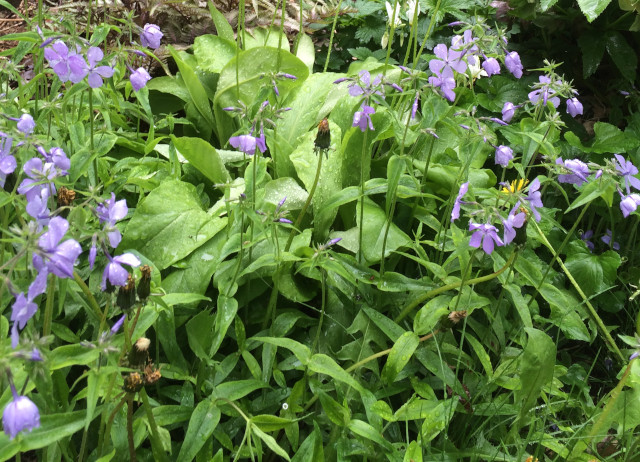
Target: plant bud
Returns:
[144, 284]
[127, 295]
[139, 353]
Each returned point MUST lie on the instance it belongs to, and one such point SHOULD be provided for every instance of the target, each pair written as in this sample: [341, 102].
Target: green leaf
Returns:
[202, 156]
[386, 325]
[536, 369]
[306, 51]
[482, 355]
[592, 191]
[199, 334]
[71, 355]
[302, 352]
[323, 364]
[226, 312]
[213, 52]
[271, 423]
[592, 45]
[271, 442]
[563, 312]
[82, 158]
[336, 413]
[223, 28]
[622, 54]
[399, 356]
[169, 224]
[594, 273]
[311, 448]
[367, 431]
[430, 314]
[239, 388]
[592, 8]
[203, 422]
[413, 453]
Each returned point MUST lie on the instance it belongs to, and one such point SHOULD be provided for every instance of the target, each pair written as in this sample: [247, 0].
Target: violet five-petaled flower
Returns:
[115, 273]
[67, 65]
[504, 154]
[545, 92]
[585, 238]
[513, 220]
[607, 240]
[513, 64]
[109, 212]
[139, 78]
[486, 235]
[629, 203]
[22, 310]
[455, 212]
[7, 162]
[96, 73]
[26, 124]
[626, 169]
[248, 143]
[448, 59]
[21, 414]
[362, 118]
[40, 176]
[579, 171]
[53, 256]
[150, 36]
[534, 197]
[363, 86]
[445, 82]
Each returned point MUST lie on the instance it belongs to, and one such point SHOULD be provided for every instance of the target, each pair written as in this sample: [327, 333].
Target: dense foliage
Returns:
[417, 244]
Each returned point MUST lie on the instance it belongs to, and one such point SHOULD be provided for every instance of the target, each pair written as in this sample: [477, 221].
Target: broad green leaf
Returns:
[202, 156]
[270, 441]
[430, 314]
[213, 52]
[306, 50]
[336, 413]
[323, 364]
[399, 356]
[223, 28]
[302, 352]
[592, 45]
[367, 431]
[436, 420]
[226, 310]
[271, 423]
[171, 414]
[608, 139]
[536, 369]
[239, 388]
[386, 325]
[287, 187]
[414, 453]
[563, 312]
[593, 190]
[622, 54]
[71, 355]
[592, 8]
[183, 298]
[482, 355]
[82, 158]
[593, 272]
[203, 422]
[311, 448]
[199, 333]
[415, 409]
[169, 224]
[170, 85]
[272, 37]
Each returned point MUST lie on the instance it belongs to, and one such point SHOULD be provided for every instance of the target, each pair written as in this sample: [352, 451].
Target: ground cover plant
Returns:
[412, 245]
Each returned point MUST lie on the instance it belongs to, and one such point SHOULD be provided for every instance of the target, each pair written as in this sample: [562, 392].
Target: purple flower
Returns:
[364, 86]
[545, 92]
[93, 251]
[491, 66]
[508, 111]
[41, 177]
[503, 155]
[38, 208]
[629, 204]
[38, 286]
[116, 327]
[414, 107]
[607, 240]
[450, 60]
[150, 36]
[67, 65]
[139, 78]
[534, 198]
[115, 273]
[579, 171]
[513, 64]
[514, 220]
[22, 310]
[55, 257]
[57, 157]
[627, 170]
[445, 82]
[26, 124]
[485, 234]
[585, 238]
[96, 73]
[7, 161]
[248, 143]
[21, 414]
[466, 45]
[574, 107]
[362, 118]
[109, 212]
[455, 212]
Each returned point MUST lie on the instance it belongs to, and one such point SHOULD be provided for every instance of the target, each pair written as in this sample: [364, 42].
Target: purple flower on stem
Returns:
[544, 92]
[513, 64]
[93, 251]
[485, 234]
[629, 203]
[115, 273]
[364, 86]
[574, 107]
[466, 45]
[96, 73]
[504, 154]
[139, 78]
[22, 310]
[585, 238]
[534, 198]
[446, 83]
[508, 111]
[56, 157]
[579, 171]
[248, 143]
[455, 212]
[26, 124]
[7, 161]
[67, 65]
[21, 414]
[362, 118]
[627, 170]
[41, 177]
[116, 327]
[414, 106]
[449, 60]
[150, 36]
[109, 212]
[607, 240]
[38, 208]
[55, 257]
[514, 220]
[491, 66]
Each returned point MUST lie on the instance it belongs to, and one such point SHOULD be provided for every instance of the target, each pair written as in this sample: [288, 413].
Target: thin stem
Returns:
[48, 308]
[333, 31]
[323, 288]
[90, 298]
[363, 160]
[132, 447]
[156, 443]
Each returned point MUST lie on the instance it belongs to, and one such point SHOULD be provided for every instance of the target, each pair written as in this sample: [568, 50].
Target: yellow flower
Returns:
[515, 186]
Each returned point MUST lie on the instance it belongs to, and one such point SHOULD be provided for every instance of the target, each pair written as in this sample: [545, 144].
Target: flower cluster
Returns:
[70, 65]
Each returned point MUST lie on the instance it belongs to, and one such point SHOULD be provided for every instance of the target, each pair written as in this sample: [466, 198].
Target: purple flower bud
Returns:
[503, 155]
[21, 414]
[634, 355]
[498, 121]
[574, 107]
[287, 76]
[92, 255]
[466, 127]
[333, 241]
[455, 212]
[508, 111]
[26, 124]
[342, 79]
[396, 87]
[414, 107]
[285, 220]
[405, 69]
[455, 23]
[116, 327]
[150, 36]
[491, 66]
[35, 355]
[513, 64]
[139, 78]
[230, 109]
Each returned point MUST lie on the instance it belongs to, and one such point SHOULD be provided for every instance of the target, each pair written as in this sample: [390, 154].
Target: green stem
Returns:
[591, 310]
[333, 31]
[132, 447]
[90, 298]
[48, 308]
[156, 443]
[454, 285]
[324, 300]
[363, 160]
